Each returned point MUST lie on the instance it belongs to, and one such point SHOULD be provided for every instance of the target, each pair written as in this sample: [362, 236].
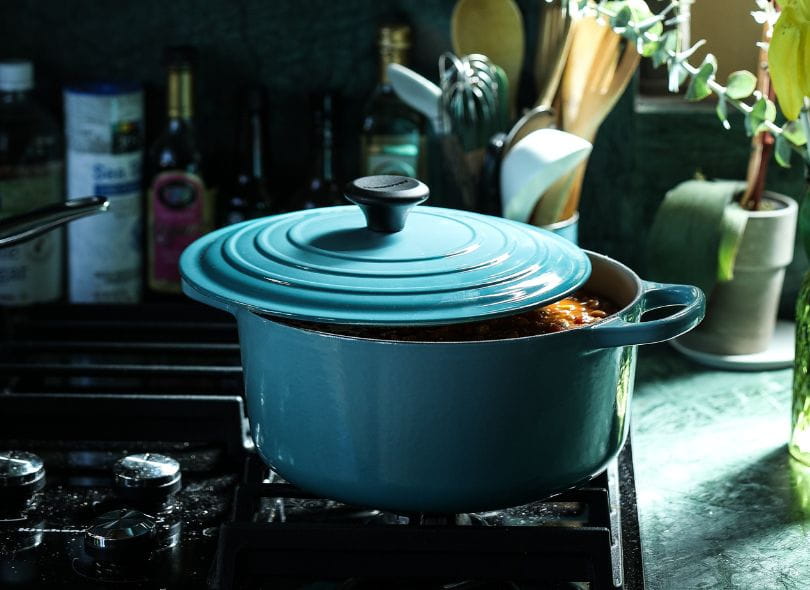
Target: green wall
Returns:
[310, 45]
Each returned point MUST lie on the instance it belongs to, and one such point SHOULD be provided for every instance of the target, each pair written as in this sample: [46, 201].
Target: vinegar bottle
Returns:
[322, 188]
[178, 207]
[249, 195]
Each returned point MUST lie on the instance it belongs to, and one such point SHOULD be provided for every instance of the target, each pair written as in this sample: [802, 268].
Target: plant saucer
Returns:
[778, 355]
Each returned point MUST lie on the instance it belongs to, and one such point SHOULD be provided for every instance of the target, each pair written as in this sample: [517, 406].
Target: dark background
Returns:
[298, 47]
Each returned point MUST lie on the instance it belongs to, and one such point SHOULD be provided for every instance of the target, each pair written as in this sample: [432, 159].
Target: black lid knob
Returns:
[386, 200]
[120, 534]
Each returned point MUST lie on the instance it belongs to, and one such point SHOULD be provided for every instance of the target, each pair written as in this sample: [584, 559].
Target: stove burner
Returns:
[19, 469]
[22, 474]
[120, 534]
[146, 477]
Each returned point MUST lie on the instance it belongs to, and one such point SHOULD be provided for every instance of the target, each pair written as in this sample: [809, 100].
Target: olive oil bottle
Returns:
[393, 137]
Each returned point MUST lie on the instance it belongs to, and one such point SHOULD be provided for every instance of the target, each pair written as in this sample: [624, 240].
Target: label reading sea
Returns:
[105, 250]
[178, 204]
[32, 271]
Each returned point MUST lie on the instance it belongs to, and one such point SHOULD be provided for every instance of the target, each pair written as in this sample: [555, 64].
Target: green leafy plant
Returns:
[635, 22]
[703, 218]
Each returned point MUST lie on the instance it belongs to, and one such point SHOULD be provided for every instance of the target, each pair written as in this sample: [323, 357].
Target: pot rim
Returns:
[557, 225]
[573, 332]
[789, 206]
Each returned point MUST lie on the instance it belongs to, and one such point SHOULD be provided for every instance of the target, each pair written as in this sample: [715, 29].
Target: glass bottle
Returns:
[104, 156]
[177, 200]
[31, 176]
[249, 195]
[799, 444]
[393, 137]
[322, 188]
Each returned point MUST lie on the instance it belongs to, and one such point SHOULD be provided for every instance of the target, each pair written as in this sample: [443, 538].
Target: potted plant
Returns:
[733, 239]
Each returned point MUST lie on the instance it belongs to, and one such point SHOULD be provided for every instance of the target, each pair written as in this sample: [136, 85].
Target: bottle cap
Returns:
[16, 74]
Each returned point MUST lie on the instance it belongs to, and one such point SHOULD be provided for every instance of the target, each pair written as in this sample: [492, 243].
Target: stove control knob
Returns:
[146, 477]
[120, 535]
[21, 475]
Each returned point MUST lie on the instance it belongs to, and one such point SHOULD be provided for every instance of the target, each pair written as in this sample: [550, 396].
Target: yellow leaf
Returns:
[788, 60]
[802, 6]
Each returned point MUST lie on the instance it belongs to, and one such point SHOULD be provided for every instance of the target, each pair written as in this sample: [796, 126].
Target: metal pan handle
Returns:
[20, 228]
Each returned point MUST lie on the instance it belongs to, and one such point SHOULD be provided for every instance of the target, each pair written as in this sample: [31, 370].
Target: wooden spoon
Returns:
[494, 28]
[553, 45]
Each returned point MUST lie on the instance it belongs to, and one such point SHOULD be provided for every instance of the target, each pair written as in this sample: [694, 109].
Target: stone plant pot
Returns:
[741, 313]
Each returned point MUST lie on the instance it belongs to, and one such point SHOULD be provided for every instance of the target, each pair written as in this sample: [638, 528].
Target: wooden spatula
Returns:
[595, 106]
[595, 77]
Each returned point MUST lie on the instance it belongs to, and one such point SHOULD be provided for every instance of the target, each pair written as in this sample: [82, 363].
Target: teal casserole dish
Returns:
[426, 426]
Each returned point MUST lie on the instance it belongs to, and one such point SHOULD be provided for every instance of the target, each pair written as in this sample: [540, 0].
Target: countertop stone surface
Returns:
[721, 504]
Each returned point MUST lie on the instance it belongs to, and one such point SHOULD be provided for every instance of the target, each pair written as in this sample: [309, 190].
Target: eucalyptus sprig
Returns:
[633, 20]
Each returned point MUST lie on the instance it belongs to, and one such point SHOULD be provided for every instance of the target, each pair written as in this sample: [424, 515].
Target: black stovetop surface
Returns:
[83, 386]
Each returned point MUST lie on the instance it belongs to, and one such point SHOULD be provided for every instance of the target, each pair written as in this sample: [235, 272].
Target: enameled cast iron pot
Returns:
[426, 426]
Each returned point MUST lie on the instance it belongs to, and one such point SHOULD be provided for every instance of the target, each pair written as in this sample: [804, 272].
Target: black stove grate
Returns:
[171, 373]
[151, 350]
[583, 545]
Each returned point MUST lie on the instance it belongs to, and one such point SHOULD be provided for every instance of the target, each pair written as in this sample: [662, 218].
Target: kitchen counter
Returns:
[721, 504]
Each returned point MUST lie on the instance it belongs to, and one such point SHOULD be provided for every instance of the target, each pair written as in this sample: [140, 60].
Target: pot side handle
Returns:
[690, 300]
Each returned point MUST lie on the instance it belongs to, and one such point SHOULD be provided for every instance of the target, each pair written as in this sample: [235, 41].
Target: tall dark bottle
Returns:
[393, 137]
[179, 211]
[322, 188]
[31, 174]
[249, 195]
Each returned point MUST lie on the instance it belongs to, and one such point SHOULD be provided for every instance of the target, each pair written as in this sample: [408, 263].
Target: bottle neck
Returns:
[391, 55]
[327, 149]
[250, 146]
[256, 145]
[179, 94]
[324, 141]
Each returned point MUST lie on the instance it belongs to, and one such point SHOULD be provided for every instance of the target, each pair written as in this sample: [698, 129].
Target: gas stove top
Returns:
[109, 515]
[125, 463]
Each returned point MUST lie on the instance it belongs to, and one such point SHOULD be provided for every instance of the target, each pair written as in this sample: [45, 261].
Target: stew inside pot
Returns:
[580, 309]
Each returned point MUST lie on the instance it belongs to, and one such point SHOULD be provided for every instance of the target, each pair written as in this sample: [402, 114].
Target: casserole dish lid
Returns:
[383, 262]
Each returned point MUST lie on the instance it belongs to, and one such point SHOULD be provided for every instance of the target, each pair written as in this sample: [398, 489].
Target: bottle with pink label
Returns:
[179, 211]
